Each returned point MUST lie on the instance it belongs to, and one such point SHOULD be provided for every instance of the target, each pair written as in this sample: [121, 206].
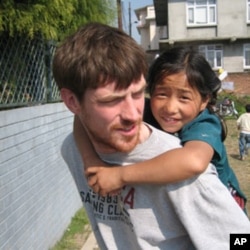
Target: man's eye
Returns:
[138, 94]
[110, 101]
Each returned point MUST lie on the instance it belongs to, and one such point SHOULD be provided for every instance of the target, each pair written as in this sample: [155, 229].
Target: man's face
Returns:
[113, 118]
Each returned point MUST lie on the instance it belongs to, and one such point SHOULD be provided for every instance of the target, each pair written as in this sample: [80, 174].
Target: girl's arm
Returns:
[91, 158]
[84, 145]
[172, 166]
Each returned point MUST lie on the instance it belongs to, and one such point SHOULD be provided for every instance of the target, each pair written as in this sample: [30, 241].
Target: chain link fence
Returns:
[25, 72]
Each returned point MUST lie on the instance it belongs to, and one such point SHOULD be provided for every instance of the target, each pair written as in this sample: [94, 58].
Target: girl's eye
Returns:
[160, 94]
[185, 97]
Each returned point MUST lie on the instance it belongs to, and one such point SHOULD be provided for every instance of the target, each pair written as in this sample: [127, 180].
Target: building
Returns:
[219, 29]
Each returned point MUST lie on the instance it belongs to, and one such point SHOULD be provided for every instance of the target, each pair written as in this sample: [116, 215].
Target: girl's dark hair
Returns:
[199, 73]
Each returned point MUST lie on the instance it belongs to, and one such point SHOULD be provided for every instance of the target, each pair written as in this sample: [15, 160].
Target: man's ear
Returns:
[70, 100]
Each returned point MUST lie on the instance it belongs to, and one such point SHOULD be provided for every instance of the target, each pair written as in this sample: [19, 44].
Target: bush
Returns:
[239, 101]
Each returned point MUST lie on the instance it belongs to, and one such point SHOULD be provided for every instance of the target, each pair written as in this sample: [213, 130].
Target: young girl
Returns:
[183, 90]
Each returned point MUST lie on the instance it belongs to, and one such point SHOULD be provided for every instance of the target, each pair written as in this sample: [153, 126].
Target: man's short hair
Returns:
[95, 55]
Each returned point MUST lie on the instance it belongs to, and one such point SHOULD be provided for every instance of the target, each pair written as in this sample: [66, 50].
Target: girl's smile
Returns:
[174, 103]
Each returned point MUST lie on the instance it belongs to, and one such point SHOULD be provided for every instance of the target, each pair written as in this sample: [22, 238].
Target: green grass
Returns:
[239, 101]
[75, 234]
[241, 168]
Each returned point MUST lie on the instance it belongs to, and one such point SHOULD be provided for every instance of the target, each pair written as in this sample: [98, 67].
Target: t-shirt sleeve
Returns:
[204, 204]
[206, 130]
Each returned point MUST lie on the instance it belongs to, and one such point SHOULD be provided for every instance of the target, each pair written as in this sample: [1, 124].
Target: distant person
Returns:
[100, 71]
[243, 125]
[183, 89]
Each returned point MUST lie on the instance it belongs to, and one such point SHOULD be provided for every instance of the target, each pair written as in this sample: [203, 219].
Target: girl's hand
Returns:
[105, 180]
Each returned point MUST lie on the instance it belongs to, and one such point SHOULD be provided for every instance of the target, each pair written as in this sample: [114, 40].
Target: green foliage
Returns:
[76, 227]
[53, 19]
[239, 101]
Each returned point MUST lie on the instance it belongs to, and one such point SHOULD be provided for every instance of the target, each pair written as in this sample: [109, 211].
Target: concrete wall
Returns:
[231, 21]
[37, 194]
[233, 57]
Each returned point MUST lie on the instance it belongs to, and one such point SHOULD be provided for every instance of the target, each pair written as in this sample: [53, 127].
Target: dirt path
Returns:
[241, 168]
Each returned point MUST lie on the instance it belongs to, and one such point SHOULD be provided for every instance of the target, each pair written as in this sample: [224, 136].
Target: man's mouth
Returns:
[128, 130]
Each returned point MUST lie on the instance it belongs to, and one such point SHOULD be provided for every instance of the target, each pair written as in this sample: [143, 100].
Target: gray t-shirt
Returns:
[198, 213]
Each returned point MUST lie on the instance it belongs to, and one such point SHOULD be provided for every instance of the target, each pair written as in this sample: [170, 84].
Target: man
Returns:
[243, 125]
[100, 71]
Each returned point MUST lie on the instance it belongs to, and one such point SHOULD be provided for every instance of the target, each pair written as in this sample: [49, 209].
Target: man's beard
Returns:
[115, 142]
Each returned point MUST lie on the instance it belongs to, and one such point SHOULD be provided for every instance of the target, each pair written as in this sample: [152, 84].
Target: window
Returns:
[246, 55]
[213, 54]
[248, 11]
[201, 12]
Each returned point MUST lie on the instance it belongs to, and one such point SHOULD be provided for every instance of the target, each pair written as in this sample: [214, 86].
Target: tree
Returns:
[52, 19]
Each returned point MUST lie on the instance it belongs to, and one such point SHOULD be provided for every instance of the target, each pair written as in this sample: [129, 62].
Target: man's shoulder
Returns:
[69, 151]
[67, 142]
[163, 136]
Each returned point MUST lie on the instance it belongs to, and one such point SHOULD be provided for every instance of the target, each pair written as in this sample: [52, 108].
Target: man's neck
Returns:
[144, 133]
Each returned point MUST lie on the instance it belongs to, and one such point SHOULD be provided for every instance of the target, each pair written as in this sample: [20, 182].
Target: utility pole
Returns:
[129, 15]
[119, 14]
[129, 19]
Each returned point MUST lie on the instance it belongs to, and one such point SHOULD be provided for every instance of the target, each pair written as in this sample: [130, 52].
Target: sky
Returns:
[134, 4]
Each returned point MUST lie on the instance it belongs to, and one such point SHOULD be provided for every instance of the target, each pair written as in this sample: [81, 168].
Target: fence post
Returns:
[48, 64]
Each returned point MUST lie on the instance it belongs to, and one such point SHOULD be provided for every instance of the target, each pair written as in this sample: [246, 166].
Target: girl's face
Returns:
[174, 103]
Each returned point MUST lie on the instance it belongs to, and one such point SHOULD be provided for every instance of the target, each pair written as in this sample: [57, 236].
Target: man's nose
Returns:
[130, 110]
